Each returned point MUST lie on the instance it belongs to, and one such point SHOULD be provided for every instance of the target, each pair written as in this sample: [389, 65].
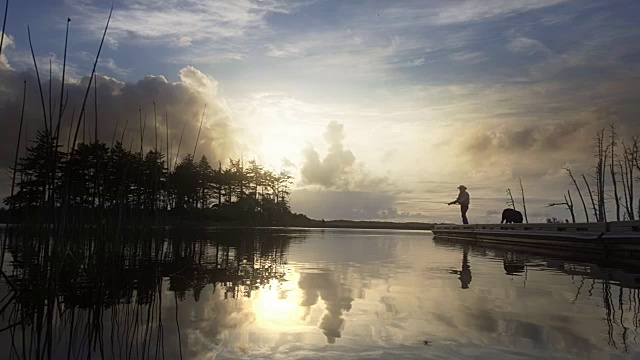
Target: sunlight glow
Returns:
[274, 148]
[276, 304]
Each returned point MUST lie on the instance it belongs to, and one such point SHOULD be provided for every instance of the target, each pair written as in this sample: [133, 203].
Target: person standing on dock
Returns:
[463, 201]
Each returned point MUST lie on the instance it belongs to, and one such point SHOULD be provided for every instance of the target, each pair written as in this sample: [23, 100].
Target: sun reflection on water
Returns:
[276, 303]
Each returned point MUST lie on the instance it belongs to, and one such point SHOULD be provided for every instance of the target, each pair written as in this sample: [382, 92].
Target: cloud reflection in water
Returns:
[336, 296]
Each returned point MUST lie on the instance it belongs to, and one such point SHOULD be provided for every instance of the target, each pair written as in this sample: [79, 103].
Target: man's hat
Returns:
[462, 187]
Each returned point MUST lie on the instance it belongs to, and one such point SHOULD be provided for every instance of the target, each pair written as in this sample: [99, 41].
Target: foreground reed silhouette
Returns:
[108, 302]
[85, 238]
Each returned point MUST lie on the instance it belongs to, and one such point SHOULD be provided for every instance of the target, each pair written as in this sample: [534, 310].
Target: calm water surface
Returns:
[303, 293]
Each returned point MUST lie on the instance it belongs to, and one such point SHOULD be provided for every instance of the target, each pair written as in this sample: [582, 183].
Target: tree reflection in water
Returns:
[619, 284]
[105, 299]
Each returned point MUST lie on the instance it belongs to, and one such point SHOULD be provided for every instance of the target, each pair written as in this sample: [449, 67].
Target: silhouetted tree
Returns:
[629, 162]
[612, 163]
[510, 202]
[524, 204]
[575, 184]
[568, 202]
[602, 152]
[206, 177]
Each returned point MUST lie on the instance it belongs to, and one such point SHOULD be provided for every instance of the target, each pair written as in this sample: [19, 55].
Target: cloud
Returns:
[110, 64]
[467, 11]
[184, 41]
[527, 46]
[507, 151]
[201, 26]
[350, 205]
[286, 51]
[551, 137]
[339, 168]
[471, 57]
[119, 104]
[335, 168]
[7, 42]
[21, 60]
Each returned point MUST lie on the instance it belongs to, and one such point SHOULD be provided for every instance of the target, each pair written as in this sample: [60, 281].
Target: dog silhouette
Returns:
[511, 216]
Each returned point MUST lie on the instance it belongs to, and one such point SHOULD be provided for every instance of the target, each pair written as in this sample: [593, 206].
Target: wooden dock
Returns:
[618, 239]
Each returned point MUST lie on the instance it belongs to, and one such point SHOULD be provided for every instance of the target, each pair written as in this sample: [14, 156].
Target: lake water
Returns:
[335, 293]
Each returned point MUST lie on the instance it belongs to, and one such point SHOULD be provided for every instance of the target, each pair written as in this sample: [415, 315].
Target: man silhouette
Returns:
[463, 201]
[465, 273]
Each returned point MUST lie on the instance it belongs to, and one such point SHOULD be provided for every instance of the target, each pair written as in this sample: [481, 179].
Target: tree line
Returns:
[109, 177]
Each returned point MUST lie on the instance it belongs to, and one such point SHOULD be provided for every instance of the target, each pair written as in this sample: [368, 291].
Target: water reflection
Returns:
[336, 297]
[618, 287]
[465, 272]
[300, 293]
[513, 264]
[114, 304]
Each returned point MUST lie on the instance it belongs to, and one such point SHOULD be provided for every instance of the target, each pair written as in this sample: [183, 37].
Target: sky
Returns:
[379, 109]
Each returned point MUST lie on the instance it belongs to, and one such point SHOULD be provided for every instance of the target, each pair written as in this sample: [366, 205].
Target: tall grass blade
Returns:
[35, 64]
[15, 172]
[93, 71]
[4, 25]
[64, 72]
[199, 129]
[95, 103]
[179, 144]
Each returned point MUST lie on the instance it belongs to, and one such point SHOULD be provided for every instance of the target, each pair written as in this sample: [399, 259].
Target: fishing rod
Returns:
[432, 202]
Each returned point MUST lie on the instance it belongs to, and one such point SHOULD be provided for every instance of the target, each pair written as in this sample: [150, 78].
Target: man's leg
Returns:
[463, 210]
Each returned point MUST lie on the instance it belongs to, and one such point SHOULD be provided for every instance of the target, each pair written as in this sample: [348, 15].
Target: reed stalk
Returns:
[35, 65]
[179, 144]
[4, 25]
[199, 129]
[15, 172]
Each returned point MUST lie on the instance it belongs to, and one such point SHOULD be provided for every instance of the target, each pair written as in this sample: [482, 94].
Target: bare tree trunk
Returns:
[593, 204]
[627, 180]
[631, 163]
[601, 155]
[220, 184]
[623, 177]
[613, 145]
[524, 204]
[584, 205]
[510, 202]
[569, 202]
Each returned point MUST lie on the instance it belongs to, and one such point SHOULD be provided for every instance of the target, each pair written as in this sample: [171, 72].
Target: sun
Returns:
[273, 151]
[279, 128]
[280, 143]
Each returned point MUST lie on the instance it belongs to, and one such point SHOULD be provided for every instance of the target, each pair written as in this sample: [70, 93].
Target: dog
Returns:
[511, 216]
